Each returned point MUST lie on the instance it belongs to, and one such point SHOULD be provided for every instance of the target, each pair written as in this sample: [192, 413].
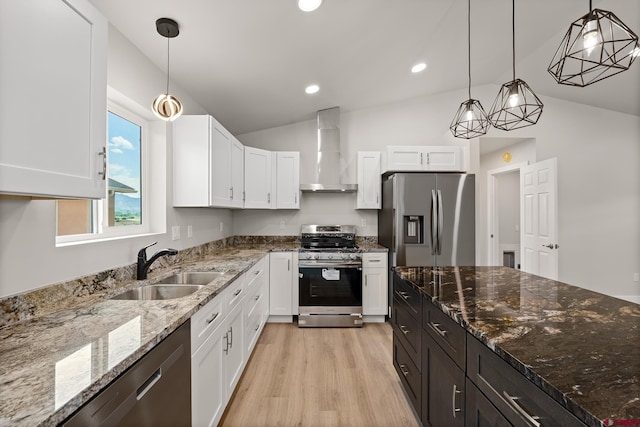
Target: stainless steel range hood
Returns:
[330, 167]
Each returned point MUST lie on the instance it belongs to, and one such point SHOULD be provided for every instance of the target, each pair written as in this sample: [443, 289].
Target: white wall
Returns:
[29, 258]
[598, 177]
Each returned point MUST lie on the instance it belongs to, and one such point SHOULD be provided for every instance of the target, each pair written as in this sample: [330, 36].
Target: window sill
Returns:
[62, 244]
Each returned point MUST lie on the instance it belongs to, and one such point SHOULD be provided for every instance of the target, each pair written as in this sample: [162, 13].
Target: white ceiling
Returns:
[247, 62]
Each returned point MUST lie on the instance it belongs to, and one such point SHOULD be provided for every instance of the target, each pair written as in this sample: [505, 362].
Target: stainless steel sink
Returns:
[192, 277]
[158, 292]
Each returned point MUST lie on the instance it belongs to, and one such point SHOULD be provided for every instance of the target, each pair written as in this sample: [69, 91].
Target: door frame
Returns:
[493, 247]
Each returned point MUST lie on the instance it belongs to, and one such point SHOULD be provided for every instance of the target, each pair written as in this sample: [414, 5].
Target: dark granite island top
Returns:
[580, 347]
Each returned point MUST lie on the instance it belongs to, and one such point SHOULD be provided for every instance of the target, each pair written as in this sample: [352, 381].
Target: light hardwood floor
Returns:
[320, 377]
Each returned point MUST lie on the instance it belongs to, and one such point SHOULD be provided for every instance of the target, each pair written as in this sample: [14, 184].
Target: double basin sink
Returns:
[175, 286]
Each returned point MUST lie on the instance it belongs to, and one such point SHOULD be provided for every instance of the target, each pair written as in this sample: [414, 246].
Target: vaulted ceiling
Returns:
[247, 62]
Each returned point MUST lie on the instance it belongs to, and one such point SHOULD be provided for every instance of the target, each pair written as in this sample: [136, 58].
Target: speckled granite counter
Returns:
[62, 344]
[582, 348]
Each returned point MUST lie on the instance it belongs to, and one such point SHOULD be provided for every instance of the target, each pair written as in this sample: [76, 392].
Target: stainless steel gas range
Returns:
[330, 272]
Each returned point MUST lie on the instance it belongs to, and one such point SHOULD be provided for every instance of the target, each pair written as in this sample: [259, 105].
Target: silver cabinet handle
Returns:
[236, 293]
[257, 297]
[257, 272]
[428, 159]
[404, 295]
[512, 401]
[295, 198]
[377, 198]
[231, 193]
[103, 153]
[226, 343]
[436, 327]
[403, 369]
[374, 260]
[231, 339]
[212, 318]
[420, 158]
[257, 327]
[268, 197]
[404, 329]
[288, 265]
[453, 400]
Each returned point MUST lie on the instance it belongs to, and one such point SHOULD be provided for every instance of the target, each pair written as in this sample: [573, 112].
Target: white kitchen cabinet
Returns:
[234, 356]
[208, 391]
[424, 158]
[257, 178]
[287, 180]
[208, 164]
[257, 302]
[283, 286]
[369, 180]
[375, 285]
[53, 107]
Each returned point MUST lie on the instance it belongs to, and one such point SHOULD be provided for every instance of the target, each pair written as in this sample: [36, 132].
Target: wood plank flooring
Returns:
[320, 377]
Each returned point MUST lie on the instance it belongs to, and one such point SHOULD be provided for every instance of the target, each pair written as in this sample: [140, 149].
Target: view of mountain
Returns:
[124, 203]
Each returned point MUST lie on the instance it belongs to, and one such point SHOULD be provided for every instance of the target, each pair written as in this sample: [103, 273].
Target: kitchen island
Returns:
[579, 347]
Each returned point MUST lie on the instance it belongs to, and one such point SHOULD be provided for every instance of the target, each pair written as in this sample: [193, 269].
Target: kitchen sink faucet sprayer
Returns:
[143, 264]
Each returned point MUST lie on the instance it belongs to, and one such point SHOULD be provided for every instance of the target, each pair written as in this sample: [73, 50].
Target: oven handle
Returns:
[329, 265]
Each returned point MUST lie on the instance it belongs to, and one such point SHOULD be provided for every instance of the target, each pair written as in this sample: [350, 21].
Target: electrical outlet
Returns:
[636, 277]
[281, 225]
[363, 222]
[175, 232]
[221, 226]
[189, 231]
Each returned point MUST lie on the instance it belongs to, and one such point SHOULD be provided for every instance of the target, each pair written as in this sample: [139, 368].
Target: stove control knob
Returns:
[344, 256]
[329, 256]
[352, 256]
[314, 256]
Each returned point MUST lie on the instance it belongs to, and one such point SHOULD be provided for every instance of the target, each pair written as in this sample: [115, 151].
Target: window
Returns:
[123, 210]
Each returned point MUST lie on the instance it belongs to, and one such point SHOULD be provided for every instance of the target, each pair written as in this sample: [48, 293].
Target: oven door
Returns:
[330, 286]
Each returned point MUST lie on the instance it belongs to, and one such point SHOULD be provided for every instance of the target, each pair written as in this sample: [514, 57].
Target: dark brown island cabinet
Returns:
[453, 379]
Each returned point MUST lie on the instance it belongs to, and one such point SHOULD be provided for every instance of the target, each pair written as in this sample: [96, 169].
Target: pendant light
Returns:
[167, 107]
[516, 105]
[596, 46]
[470, 120]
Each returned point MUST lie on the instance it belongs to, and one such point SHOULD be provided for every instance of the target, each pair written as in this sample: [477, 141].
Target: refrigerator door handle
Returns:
[440, 222]
[434, 222]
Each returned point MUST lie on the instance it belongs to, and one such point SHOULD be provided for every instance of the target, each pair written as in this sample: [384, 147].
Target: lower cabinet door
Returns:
[480, 412]
[234, 357]
[443, 384]
[408, 372]
[207, 380]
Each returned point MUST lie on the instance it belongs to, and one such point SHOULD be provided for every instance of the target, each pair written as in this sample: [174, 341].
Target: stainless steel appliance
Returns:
[330, 277]
[428, 219]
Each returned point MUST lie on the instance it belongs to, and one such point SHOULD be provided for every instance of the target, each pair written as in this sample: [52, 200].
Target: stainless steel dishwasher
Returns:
[155, 391]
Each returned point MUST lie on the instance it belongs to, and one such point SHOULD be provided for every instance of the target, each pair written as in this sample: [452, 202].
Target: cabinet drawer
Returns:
[445, 331]
[374, 259]
[409, 296]
[255, 299]
[205, 320]
[256, 274]
[235, 293]
[408, 372]
[407, 330]
[518, 399]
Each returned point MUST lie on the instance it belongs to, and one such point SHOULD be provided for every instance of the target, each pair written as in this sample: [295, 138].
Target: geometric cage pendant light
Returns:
[516, 105]
[470, 120]
[596, 46]
[167, 107]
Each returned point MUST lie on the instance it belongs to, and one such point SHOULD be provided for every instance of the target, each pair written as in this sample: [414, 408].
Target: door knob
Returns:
[551, 246]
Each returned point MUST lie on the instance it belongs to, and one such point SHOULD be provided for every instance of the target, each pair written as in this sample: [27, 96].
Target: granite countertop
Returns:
[582, 348]
[59, 358]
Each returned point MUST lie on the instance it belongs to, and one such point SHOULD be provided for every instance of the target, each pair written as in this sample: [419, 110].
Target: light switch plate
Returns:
[189, 231]
[175, 232]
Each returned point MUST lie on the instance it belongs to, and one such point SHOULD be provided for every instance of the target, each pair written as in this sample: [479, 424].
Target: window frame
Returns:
[99, 208]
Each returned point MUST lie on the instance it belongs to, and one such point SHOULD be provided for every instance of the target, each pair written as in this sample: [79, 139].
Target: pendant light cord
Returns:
[168, 65]
[513, 37]
[469, 42]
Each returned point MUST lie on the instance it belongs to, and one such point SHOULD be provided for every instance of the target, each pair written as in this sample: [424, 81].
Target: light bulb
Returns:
[469, 115]
[590, 37]
[514, 100]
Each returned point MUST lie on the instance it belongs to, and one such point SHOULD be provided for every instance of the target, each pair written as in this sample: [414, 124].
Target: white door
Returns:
[208, 392]
[280, 283]
[539, 218]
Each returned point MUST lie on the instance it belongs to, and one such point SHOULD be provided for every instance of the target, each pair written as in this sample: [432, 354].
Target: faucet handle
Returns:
[142, 253]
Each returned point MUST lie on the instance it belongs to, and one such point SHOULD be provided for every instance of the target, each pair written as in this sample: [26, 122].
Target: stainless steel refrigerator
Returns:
[428, 219]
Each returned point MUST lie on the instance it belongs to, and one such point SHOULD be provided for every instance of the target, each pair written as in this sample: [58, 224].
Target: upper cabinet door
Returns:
[433, 158]
[444, 158]
[53, 102]
[405, 158]
[220, 162]
[287, 180]
[257, 178]
[237, 173]
[369, 180]
[191, 136]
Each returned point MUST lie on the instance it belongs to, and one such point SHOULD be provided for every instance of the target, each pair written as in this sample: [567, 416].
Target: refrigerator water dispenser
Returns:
[413, 225]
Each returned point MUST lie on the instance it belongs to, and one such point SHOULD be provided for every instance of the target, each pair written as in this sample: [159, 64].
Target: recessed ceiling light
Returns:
[309, 5]
[311, 89]
[418, 67]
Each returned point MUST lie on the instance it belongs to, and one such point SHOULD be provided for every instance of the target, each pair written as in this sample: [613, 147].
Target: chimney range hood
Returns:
[330, 167]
